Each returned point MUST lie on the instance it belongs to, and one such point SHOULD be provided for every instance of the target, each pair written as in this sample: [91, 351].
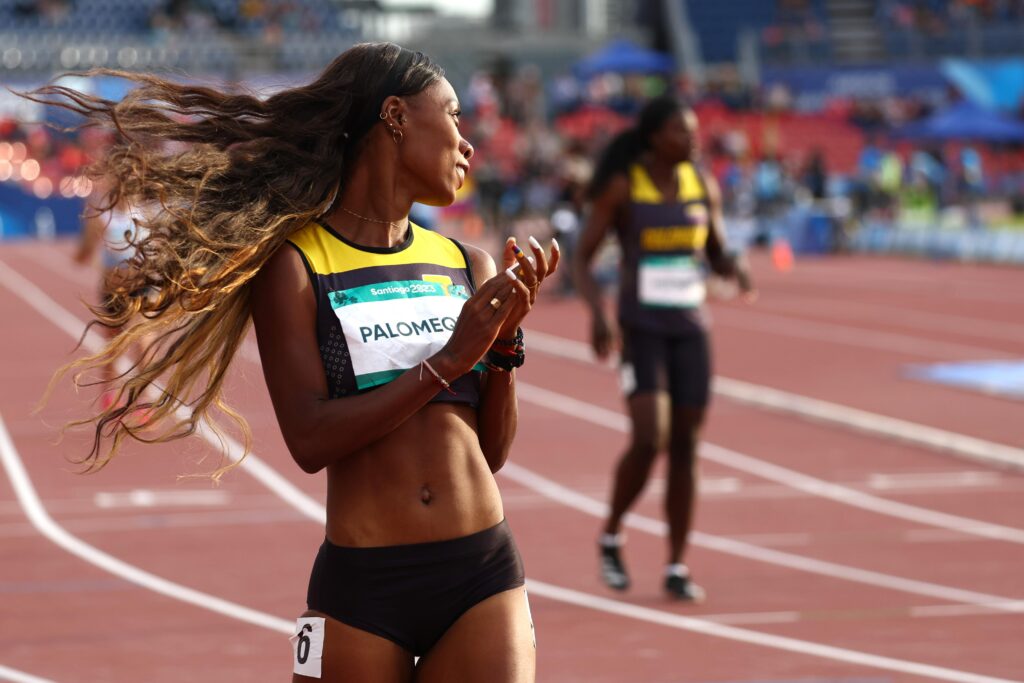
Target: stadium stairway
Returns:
[855, 35]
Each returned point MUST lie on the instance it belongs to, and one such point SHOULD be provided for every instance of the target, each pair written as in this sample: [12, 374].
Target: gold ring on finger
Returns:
[495, 303]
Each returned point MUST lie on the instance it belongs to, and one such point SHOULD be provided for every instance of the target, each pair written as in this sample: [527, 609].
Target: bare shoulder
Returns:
[616, 191]
[711, 184]
[481, 262]
[285, 265]
[281, 280]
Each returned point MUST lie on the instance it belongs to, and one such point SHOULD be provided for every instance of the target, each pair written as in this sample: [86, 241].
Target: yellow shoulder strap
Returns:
[641, 187]
[691, 186]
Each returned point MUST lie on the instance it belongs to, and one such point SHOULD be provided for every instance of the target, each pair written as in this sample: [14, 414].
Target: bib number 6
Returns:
[302, 647]
[308, 645]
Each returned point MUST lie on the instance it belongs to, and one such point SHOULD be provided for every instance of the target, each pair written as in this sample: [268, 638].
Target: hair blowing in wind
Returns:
[229, 177]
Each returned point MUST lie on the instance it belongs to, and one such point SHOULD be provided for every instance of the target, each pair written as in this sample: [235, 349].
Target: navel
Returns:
[425, 495]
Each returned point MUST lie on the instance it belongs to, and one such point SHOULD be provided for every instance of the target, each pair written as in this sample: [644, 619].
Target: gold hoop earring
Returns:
[383, 116]
[397, 135]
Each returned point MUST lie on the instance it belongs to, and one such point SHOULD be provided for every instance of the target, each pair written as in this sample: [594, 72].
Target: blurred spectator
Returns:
[816, 175]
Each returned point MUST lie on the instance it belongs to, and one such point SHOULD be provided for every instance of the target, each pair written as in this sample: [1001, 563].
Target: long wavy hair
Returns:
[228, 176]
[627, 146]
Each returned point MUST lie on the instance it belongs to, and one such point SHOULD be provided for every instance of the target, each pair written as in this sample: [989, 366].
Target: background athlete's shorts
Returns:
[656, 362]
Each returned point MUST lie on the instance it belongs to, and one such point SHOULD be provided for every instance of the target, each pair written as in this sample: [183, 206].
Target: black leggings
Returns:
[412, 594]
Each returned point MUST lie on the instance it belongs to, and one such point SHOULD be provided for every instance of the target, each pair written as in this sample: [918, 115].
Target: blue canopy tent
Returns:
[992, 84]
[963, 121]
[624, 57]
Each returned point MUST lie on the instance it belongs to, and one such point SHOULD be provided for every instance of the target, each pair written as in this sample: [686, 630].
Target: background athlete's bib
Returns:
[670, 282]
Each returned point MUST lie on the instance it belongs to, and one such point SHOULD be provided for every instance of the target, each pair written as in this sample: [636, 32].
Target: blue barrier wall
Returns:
[25, 215]
[993, 246]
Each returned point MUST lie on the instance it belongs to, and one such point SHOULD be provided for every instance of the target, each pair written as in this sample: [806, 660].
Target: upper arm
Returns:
[284, 317]
[716, 221]
[481, 264]
[604, 211]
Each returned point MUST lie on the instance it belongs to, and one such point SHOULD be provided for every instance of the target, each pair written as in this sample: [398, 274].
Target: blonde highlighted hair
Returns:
[244, 174]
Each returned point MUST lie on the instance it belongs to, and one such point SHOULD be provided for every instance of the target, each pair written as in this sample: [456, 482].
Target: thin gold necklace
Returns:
[371, 220]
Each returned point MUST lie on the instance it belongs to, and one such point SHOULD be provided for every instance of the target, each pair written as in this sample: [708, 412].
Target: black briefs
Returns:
[412, 594]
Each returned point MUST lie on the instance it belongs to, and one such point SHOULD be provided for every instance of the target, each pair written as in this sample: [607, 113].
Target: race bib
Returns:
[308, 646]
[670, 282]
[392, 326]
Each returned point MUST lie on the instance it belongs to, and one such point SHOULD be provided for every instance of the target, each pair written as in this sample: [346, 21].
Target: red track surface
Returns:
[841, 330]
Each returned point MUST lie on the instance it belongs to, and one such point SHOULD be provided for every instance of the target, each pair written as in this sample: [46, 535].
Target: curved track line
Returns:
[625, 609]
[9, 674]
[857, 337]
[926, 321]
[817, 409]
[619, 422]
[571, 498]
[48, 527]
[714, 629]
[311, 508]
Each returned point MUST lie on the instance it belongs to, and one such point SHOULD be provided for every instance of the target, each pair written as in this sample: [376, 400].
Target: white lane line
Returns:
[87, 276]
[295, 497]
[656, 527]
[162, 521]
[789, 617]
[148, 498]
[9, 674]
[824, 411]
[857, 337]
[923, 284]
[619, 422]
[903, 481]
[932, 438]
[859, 499]
[753, 618]
[41, 520]
[719, 630]
[881, 313]
[936, 536]
[816, 409]
[952, 610]
[65, 320]
[317, 512]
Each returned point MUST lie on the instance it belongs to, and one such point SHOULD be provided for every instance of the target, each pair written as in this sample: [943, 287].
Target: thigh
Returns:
[644, 380]
[649, 415]
[351, 654]
[644, 362]
[493, 642]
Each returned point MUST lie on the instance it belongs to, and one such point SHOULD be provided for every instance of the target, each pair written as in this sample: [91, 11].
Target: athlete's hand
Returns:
[604, 336]
[748, 292]
[482, 316]
[531, 271]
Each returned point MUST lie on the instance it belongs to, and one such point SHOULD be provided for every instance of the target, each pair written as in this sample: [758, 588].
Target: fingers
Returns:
[491, 287]
[542, 260]
[508, 255]
[556, 256]
[514, 308]
[498, 292]
[527, 272]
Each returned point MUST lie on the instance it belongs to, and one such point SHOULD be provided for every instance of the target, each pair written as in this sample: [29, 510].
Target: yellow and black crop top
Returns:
[380, 311]
[663, 239]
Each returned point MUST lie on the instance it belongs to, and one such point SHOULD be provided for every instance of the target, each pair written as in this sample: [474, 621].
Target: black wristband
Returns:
[510, 354]
[503, 363]
[515, 342]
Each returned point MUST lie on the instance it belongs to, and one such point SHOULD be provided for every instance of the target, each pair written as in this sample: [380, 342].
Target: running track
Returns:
[880, 540]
